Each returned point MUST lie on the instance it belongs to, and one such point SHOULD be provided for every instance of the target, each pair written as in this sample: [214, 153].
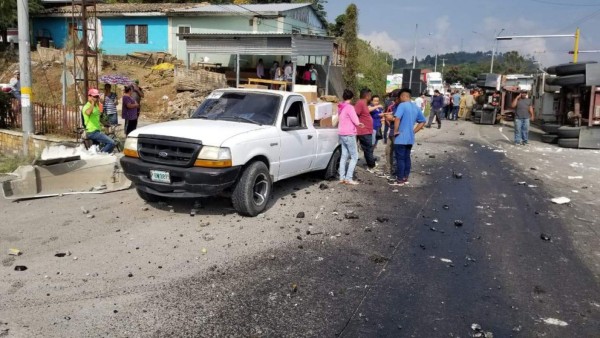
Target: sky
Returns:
[450, 26]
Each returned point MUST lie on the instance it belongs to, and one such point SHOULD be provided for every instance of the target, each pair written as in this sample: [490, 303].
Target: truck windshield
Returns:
[254, 108]
[435, 82]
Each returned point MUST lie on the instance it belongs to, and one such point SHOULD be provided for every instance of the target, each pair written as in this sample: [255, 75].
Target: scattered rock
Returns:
[462, 133]
[300, 215]
[458, 223]
[294, 287]
[545, 237]
[431, 156]
[20, 268]
[422, 246]
[561, 200]
[14, 252]
[90, 216]
[478, 332]
[85, 211]
[458, 175]
[382, 219]
[145, 208]
[323, 186]
[130, 275]
[350, 215]
[60, 254]
[378, 259]
[554, 321]
[446, 207]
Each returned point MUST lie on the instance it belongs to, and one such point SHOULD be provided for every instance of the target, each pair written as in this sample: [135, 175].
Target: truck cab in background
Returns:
[434, 82]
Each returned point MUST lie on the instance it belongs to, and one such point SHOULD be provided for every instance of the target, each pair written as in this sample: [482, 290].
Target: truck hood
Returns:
[210, 132]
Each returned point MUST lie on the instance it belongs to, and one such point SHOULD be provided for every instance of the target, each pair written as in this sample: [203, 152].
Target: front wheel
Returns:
[253, 190]
[334, 165]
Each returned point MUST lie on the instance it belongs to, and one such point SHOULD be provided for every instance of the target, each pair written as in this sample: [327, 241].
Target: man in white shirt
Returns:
[260, 69]
[288, 70]
[420, 102]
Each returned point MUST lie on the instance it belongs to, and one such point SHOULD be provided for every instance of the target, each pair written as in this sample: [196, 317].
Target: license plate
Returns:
[160, 176]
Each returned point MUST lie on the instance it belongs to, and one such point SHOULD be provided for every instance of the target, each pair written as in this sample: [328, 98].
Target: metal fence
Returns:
[48, 119]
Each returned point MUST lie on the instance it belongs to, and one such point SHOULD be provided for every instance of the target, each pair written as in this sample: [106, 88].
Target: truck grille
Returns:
[168, 150]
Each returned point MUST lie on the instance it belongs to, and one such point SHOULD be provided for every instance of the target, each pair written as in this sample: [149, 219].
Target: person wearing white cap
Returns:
[91, 121]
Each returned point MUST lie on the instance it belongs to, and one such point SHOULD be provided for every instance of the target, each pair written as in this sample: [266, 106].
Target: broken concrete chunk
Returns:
[20, 268]
[545, 237]
[561, 200]
[458, 223]
[14, 252]
[301, 215]
[350, 215]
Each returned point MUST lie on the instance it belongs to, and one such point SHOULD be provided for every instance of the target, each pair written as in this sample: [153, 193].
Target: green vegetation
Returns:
[8, 164]
[8, 14]
[350, 42]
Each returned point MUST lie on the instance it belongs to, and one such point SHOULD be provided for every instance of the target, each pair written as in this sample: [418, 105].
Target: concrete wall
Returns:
[113, 35]
[11, 142]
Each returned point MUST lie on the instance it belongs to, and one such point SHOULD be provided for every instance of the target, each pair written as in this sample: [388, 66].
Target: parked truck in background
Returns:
[434, 82]
[238, 142]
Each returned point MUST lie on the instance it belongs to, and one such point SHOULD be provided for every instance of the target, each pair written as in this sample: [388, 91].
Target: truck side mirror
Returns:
[291, 122]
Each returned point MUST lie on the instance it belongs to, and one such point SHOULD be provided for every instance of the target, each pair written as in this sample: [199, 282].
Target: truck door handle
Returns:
[310, 137]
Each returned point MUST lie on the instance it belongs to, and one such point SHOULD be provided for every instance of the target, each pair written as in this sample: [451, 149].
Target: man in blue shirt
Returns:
[437, 104]
[455, 105]
[406, 116]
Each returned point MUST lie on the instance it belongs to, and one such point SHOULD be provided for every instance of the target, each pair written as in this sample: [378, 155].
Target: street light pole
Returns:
[410, 78]
[576, 36]
[494, 51]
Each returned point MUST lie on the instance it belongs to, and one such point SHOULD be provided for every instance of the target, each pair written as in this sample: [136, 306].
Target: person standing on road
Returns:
[137, 94]
[523, 115]
[420, 102]
[455, 106]
[348, 121]
[129, 111]
[110, 105]
[15, 85]
[376, 110]
[437, 104]
[91, 121]
[389, 147]
[365, 133]
[469, 102]
[407, 115]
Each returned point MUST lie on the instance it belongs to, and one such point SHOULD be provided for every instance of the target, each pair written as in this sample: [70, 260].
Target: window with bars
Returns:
[184, 30]
[136, 34]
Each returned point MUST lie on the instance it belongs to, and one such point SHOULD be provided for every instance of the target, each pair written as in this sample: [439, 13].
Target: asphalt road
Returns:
[398, 266]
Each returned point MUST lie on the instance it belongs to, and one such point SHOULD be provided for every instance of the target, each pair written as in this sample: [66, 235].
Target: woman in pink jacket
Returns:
[348, 121]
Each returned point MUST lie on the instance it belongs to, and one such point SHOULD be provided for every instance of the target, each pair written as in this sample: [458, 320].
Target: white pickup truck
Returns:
[237, 143]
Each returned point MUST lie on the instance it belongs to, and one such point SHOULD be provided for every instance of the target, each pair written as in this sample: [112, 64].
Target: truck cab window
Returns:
[296, 110]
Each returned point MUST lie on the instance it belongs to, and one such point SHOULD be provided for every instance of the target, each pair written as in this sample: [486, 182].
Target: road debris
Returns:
[457, 175]
[446, 207]
[575, 177]
[20, 268]
[84, 211]
[554, 321]
[382, 219]
[14, 252]
[301, 215]
[561, 200]
[294, 287]
[545, 237]
[350, 215]
[478, 332]
[446, 260]
[458, 223]
[323, 186]
[378, 259]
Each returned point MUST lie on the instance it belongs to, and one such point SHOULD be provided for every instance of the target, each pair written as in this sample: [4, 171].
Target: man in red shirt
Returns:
[365, 133]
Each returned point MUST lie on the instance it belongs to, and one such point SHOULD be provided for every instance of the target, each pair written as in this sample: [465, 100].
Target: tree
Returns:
[350, 41]
[337, 28]
[8, 14]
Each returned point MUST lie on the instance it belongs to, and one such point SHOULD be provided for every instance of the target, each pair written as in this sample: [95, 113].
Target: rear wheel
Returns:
[148, 197]
[568, 143]
[253, 190]
[549, 138]
[568, 132]
[333, 167]
[551, 128]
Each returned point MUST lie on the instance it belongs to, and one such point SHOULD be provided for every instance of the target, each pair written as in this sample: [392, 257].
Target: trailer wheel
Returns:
[569, 132]
[568, 143]
[333, 166]
[550, 128]
[572, 68]
[570, 80]
[253, 190]
[549, 138]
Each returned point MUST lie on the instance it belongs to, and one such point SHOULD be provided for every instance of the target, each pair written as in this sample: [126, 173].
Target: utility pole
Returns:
[443, 64]
[25, 70]
[494, 51]
[576, 49]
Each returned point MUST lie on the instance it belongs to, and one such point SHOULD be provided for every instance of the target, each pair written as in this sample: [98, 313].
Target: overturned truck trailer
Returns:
[578, 106]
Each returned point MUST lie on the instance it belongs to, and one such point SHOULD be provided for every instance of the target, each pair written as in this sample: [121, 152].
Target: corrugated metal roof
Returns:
[264, 9]
[123, 8]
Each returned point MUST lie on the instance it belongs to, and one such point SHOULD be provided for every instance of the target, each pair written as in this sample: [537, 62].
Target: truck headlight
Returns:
[214, 157]
[130, 148]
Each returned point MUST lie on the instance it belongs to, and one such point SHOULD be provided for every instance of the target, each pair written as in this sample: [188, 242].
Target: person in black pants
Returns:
[365, 133]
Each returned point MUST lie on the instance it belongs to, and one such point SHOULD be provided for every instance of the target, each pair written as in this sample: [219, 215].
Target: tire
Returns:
[333, 166]
[253, 191]
[148, 197]
[550, 128]
[551, 81]
[572, 68]
[570, 80]
[551, 70]
[569, 132]
[550, 138]
[568, 142]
